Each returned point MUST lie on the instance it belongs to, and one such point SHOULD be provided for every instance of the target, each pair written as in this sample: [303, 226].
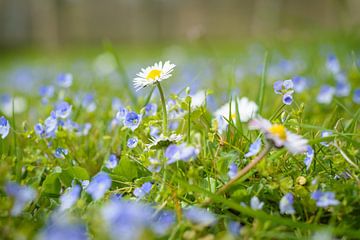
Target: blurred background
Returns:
[52, 24]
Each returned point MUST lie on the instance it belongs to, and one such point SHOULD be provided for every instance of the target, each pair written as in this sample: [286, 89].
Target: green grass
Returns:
[29, 159]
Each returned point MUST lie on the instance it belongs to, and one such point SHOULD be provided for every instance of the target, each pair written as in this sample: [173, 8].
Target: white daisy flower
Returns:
[153, 74]
[280, 136]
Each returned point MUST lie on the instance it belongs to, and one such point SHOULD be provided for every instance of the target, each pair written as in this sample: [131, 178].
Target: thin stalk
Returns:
[246, 169]
[189, 123]
[162, 96]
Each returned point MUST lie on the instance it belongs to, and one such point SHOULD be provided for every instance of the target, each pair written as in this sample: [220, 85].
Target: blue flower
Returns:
[342, 89]
[99, 185]
[62, 109]
[324, 199]
[325, 95]
[61, 227]
[126, 219]
[287, 99]
[121, 114]
[234, 228]
[180, 152]
[323, 135]
[88, 102]
[254, 148]
[51, 125]
[255, 203]
[142, 191]
[46, 92]
[39, 129]
[132, 142]
[150, 109]
[309, 157]
[200, 216]
[154, 132]
[61, 152]
[233, 169]
[112, 162]
[286, 88]
[64, 80]
[286, 204]
[69, 198]
[22, 194]
[356, 97]
[300, 83]
[132, 120]
[332, 64]
[4, 127]
[163, 222]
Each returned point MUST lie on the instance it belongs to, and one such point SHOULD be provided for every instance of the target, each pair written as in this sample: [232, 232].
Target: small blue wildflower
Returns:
[342, 89]
[323, 135]
[4, 127]
[286, 204]
[300, 83]
[162, 222]
[150, 109]
[324, 199]
[341, 77]
[61, 152]
[173, 125]
[112, 162]
[180, 152]
[254, 148]
[121, 114]
[142, 191]
[132, 120]
[255, 203]
[22, 195]
[132, 142]
[234, 228]
[46, 92]
[39, 129]
[62, 109]
[154, 132]
[332, 64]
[200, 216]
[287, 99]
[70, 125]
[356, 97]
[51, 125]
[233, 169]
[99, 185]
[325, 94]
[69, 198]
[309, 157]
[127, 219]
[59, 227]
[64, 80]
[278, 85]
[88, 102]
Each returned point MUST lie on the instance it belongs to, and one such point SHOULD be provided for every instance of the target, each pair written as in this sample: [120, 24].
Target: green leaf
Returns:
[52, 185]
[127, 169]
[71, 173]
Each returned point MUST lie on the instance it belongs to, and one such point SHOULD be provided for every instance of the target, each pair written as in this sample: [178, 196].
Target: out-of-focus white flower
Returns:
[247, 109]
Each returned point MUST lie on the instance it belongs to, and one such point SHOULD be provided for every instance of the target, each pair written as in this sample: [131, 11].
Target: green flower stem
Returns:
[246, 169]
[165, 120]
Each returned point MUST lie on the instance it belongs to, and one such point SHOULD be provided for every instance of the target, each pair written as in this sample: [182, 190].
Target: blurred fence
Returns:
[55, 22]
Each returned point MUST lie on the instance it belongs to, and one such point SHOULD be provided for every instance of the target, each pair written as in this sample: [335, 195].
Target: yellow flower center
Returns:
[279, 131]
[153, 74]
